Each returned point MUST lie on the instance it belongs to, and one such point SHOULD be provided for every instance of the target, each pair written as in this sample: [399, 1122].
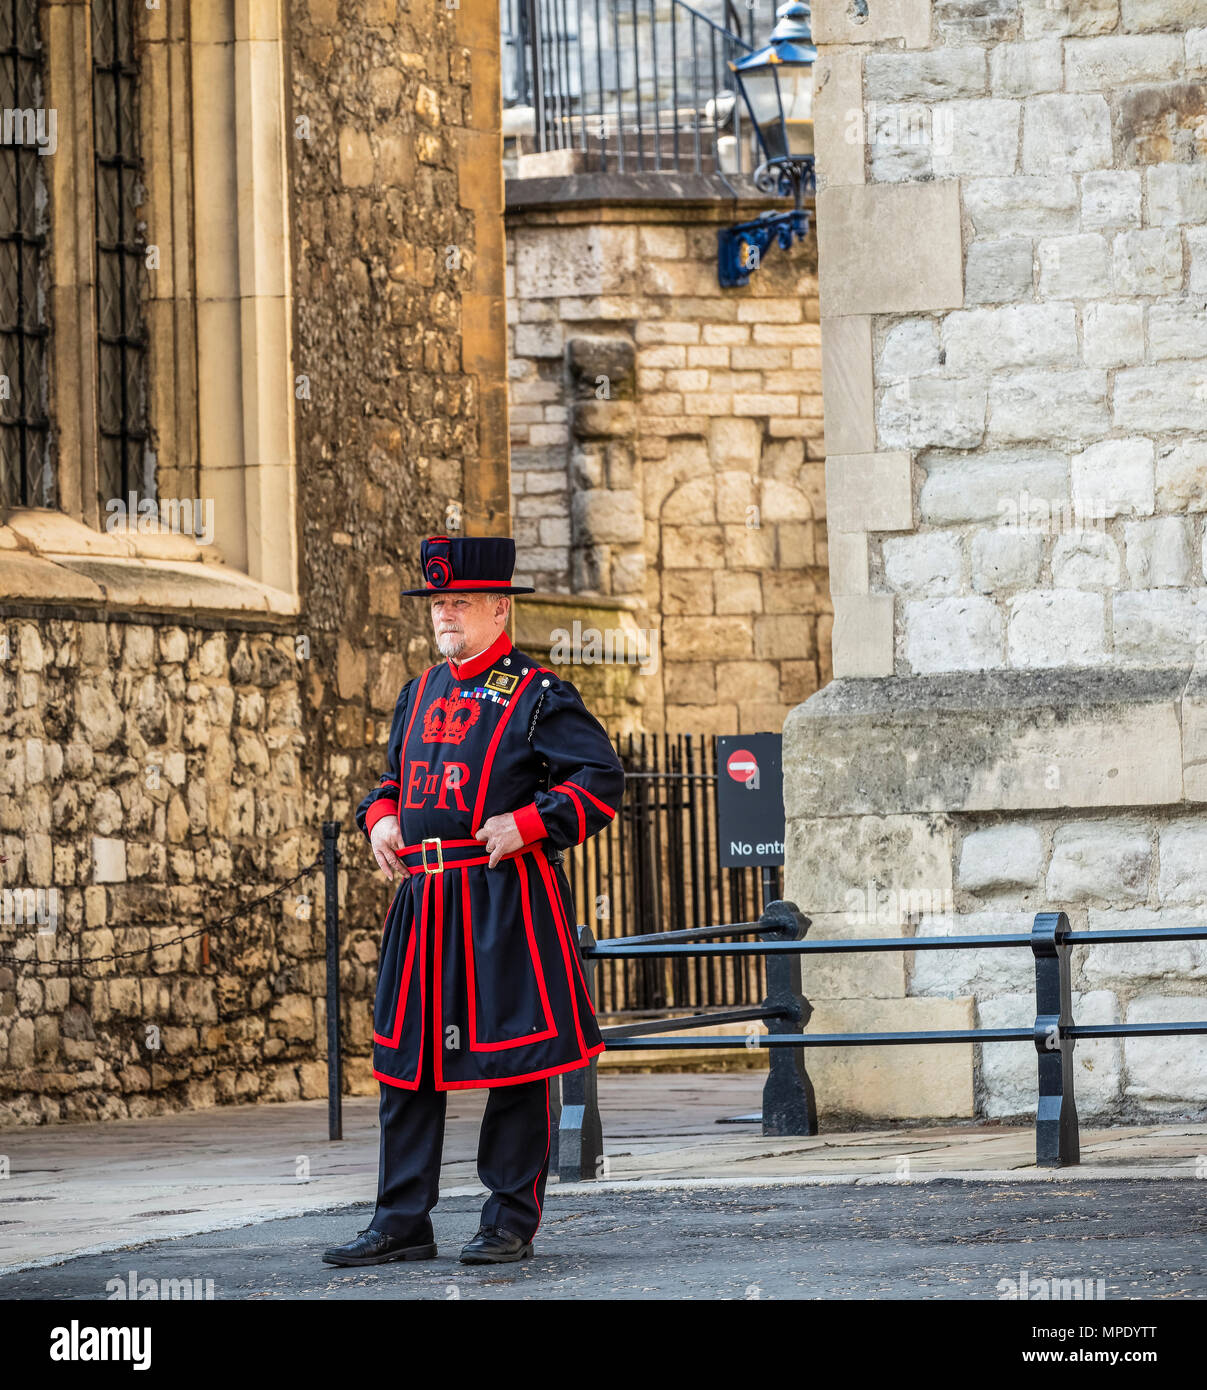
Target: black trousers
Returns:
[513, 1157]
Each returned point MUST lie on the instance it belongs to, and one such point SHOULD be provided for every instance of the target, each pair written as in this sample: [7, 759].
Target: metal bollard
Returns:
[555, 1122]
[331, 857]
[1057, 1144]
[789, 1106]
[580, 1132]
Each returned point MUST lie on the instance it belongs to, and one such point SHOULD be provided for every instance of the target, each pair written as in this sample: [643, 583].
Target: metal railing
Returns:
[788, 1101]
[635, 85]
[658, 864]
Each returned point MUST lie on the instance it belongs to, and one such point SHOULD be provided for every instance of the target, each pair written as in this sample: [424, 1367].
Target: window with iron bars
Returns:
[125, 463]
[26, 476]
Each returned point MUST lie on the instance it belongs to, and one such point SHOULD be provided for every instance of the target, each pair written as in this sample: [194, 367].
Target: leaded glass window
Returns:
[26, 479]
[124, 462]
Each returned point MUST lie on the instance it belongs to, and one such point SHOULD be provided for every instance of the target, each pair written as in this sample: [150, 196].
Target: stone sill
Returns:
[999, 741]
[46, 557]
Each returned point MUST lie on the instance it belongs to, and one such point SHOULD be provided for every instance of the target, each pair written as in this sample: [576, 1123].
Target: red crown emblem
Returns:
[449, 718]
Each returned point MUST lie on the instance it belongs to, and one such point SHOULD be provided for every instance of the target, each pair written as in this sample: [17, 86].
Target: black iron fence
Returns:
[788, 1100]
[636, 85]
[657, 869]
[789, 1106]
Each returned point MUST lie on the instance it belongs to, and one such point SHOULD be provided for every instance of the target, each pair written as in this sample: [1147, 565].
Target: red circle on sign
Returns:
[741, 765]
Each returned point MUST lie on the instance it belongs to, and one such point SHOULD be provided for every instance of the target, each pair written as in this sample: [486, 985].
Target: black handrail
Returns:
[788, 1102]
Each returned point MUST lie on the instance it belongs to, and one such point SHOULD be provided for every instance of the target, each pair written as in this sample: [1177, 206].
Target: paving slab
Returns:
[73, 1189]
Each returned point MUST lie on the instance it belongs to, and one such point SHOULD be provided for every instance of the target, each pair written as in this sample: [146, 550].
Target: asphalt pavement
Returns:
[939, 1239]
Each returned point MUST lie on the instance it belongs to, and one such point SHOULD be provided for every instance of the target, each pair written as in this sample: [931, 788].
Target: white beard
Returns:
[450, 644]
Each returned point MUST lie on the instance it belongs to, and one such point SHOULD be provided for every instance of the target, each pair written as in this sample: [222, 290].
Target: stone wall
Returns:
[667, 440]
[1016, 488]
[165, 762]
[153, 784]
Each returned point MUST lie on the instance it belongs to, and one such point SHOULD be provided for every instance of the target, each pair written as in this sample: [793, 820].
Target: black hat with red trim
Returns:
[468, 564]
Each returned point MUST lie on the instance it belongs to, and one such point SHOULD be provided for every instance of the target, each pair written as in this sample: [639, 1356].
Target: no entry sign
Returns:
[742, 765]
[750, 800]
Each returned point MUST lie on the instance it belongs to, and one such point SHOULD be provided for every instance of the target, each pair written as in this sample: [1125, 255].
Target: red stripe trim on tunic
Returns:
[578, 965]
[585, 1053]
[403, 986]
[476, 824]
[561, 932]
[525, 889]
[486, 1085]
[422, 986]
[594, 800]
[467, 929]
[399, 1010]
[578, 806]
[550, 1029]
[530, 825]
[437, 986]
[406, 738]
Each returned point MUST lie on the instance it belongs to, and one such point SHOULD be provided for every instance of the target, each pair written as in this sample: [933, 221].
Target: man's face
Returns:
[466, 624]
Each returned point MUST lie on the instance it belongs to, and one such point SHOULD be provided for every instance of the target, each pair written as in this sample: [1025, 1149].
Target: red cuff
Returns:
[529, 823]
[384, 806]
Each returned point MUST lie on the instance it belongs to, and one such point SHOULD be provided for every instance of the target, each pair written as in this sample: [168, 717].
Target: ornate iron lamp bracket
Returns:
[740, 249]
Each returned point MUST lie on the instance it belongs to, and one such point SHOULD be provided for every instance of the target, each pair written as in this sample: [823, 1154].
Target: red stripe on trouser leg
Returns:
[412, 1140]
[513, 1161]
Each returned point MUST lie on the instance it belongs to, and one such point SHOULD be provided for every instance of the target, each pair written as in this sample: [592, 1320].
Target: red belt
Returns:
[433, 855]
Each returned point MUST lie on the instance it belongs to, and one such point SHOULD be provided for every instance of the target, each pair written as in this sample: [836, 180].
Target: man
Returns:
[493, 767]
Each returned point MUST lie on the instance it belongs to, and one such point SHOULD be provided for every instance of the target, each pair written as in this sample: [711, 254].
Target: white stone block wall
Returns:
[1013, 270]
[1134, 873]
[1058, 423]
[1057, 419]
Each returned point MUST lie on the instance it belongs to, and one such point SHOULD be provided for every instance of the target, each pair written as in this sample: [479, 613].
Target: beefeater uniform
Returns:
[479, 979]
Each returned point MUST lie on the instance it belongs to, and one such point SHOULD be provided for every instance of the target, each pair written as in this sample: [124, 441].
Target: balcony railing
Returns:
[635, 85]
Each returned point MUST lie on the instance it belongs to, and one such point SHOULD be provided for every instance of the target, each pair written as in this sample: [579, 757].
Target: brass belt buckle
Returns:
[438, 867]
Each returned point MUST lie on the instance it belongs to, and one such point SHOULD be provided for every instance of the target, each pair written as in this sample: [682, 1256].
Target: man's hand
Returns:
[501, 837]
[386, 837]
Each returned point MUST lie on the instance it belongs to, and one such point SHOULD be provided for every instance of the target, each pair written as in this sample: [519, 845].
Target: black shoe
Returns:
[495, 1246]
[376, 1248]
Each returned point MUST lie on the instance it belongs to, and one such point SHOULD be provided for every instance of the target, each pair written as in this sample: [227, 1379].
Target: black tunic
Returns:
[479, 976]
